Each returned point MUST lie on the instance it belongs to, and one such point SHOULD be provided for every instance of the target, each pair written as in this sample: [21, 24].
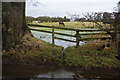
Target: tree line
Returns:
[105, 17]
[46, 19]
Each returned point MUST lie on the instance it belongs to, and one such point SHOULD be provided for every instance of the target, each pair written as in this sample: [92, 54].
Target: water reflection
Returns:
[61, 73]
[51, 71]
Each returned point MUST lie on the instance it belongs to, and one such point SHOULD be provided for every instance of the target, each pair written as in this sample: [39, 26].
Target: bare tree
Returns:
[104, 21]
[74, 16]
[111, 20]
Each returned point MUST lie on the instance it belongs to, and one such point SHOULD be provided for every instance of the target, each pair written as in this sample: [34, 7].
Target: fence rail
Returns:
[103, 38]
[77, 35]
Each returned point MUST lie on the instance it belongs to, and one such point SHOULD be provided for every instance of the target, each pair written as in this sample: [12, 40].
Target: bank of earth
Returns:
[37, 52]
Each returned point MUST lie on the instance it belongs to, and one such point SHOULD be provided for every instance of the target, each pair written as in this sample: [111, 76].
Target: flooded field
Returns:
[48, 38]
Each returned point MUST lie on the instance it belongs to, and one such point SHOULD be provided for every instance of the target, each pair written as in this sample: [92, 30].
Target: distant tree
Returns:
[106, 16]
[65, 17]
[51, 19]
[30, 19]
[74, 16]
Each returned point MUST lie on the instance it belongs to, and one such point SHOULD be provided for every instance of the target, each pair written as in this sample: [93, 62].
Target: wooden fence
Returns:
[77, 35]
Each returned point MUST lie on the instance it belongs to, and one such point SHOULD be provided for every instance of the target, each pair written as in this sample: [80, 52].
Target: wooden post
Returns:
[53, 42]
[77, 39]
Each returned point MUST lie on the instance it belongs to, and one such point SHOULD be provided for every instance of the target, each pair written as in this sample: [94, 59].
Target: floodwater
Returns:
[48, 38]
[52, 71]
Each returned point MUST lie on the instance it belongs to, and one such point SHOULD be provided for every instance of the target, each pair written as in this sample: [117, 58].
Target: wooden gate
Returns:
[78, 35]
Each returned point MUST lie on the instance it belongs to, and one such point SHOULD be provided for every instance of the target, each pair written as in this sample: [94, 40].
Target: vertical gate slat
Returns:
[53, 42]
[77, 38]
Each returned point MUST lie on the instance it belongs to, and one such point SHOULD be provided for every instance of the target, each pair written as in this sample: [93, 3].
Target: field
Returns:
[78, 25]
[81, 25]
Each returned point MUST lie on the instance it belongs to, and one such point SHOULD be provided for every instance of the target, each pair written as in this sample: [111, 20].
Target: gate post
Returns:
[77, 38]
[53, 42]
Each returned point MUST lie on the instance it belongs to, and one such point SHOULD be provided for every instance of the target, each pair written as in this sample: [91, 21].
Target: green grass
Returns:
[80, 25]
[88, 56]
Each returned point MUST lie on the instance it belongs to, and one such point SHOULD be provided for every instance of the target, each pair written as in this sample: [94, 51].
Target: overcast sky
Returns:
[61, 8]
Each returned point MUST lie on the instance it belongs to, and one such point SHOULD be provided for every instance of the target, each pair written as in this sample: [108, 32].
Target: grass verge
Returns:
[32, 51]
[89, 56]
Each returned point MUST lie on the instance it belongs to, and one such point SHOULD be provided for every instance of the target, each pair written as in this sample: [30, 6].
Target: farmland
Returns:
[81, 25]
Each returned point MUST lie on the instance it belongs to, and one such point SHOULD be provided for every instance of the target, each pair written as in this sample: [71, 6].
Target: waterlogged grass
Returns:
[40, 28]
[88, 56]
[48, 29]
[60, 30]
